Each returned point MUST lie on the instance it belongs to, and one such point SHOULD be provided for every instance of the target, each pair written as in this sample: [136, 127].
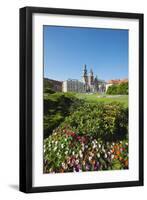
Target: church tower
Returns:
[91, 81]
[91, 77]
[85, 77]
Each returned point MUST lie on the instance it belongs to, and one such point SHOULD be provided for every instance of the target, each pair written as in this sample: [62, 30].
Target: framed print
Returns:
[81, 99]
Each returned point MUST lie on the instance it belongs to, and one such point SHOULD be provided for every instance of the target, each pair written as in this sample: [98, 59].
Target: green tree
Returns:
[113, 89]
[123, 88]
[118, 89]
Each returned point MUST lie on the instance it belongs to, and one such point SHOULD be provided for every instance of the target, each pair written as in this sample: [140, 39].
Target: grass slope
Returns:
[105, 98]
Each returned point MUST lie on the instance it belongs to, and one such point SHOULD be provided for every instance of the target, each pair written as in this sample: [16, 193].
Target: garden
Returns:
[84, 135]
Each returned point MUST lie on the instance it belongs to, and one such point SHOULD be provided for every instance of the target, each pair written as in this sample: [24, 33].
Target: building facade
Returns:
[88, 84]
[72, 85]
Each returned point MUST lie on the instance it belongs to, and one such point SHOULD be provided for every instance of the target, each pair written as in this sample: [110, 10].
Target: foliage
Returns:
[105, 121]
[118, 89]
[56, 107]
[48, 90]
[47, 86]
[82, 136]
[123, 88]
[65, 151]
[112, 89]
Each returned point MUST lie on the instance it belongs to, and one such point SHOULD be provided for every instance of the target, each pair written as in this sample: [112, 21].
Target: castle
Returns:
[87, 84]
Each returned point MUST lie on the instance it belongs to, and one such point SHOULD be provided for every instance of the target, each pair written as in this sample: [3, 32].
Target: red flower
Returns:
[79, 138]
[71, 134]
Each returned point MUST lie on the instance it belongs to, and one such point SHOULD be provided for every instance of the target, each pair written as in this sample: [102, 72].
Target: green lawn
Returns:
[104, 98]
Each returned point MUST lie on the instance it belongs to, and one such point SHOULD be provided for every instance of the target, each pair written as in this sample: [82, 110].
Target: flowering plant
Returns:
[65, 151]
[92, 137]
[105, 121]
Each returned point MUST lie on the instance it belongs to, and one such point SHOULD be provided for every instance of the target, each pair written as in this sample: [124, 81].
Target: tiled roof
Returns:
[117, 81]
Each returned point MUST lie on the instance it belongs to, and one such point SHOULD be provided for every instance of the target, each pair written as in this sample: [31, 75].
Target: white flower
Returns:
[55, 148]
[68, 161]
[83, 148]
[81, 155]
[95, 141]
[77, 162]
[63, 165]
[98, 155]
[76, 155]
[56, 142]
[90, 158]
[91, 154]
[112, 156]
[80, 152]
[94, 146]
[103, 149]
[66, 152]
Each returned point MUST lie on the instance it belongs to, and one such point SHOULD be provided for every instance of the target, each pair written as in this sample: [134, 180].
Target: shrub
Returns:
[47, 86]
[118, 89]
[92, 137]
[113, 89]
[105, 121]
[49, 91]
[56, 107]
[123, 88]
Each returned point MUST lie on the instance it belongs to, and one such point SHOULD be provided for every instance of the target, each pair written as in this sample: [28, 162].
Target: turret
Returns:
[91, 77]
[85, 77]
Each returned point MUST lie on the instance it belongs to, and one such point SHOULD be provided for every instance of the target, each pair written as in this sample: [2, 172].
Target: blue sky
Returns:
[67, 49]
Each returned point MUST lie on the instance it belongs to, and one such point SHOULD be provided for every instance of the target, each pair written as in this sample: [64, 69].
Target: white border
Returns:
[40, 179]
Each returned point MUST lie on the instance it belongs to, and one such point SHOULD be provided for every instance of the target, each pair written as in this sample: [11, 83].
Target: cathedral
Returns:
[88, 84]
[92, 84]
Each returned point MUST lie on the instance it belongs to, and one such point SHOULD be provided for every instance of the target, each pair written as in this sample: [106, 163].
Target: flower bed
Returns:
[92, 137]
[66, 151]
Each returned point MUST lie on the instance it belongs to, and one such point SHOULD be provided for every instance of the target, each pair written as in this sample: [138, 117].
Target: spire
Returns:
[96, 78]
[84, 70]
[91, 77]
[91, 72]
[84, 67]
